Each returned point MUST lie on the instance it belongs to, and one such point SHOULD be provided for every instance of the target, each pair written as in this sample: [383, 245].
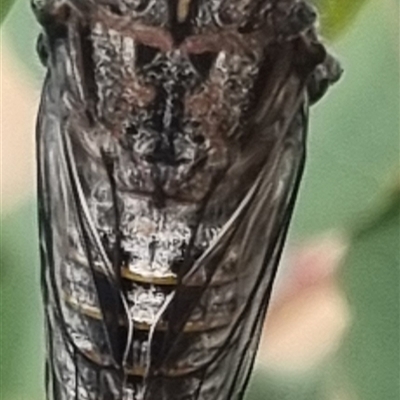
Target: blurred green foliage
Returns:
[370, 355]
[353, 155]
[5, 6]
[336, 15]
[353, 143]
[21, 321]
[271, 385]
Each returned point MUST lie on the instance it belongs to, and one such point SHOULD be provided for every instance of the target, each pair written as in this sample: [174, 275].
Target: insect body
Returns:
[171, 140]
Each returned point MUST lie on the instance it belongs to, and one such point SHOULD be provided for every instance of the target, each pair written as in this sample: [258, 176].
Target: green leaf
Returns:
[370, 355]
[5, 6]
[266, 384]
[21, 333]
[337, 15]
[21, 31]
[353, 144]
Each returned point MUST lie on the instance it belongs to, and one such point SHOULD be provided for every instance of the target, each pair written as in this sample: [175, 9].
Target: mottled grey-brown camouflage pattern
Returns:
[171, 141]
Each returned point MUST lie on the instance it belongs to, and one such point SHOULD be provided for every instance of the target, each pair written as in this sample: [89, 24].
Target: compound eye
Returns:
[42, 48]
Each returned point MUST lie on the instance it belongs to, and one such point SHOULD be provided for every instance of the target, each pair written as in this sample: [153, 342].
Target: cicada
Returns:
[170, 144]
